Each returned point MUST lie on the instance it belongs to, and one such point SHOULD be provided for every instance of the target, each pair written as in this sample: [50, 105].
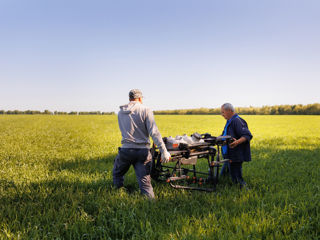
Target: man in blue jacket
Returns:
[239, 150]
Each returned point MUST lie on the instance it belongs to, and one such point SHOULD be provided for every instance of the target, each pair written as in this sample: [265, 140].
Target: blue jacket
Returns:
[239, 128]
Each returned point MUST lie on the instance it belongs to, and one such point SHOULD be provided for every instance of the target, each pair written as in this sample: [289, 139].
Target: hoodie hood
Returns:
[128, 108]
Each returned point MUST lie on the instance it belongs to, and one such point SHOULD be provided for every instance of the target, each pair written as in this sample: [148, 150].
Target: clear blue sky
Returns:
[86, 55]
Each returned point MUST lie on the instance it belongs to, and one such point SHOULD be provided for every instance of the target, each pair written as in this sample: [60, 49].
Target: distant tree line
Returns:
[299, 109]
[47, 112]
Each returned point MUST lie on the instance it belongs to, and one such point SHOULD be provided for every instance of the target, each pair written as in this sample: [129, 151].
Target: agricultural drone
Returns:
[186, 153]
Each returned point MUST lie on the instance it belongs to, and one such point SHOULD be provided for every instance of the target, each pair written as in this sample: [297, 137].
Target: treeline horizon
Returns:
[296, 109]
[47, 112]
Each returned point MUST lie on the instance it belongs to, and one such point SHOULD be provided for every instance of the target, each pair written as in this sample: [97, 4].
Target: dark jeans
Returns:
[225, 169]
[140, 158]
[235, 169]
[236, 173]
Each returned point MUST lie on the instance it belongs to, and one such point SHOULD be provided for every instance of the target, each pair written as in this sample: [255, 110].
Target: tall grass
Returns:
[56, 183]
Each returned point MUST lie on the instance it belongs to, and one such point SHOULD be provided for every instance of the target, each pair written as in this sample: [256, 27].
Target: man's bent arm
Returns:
[154, 131]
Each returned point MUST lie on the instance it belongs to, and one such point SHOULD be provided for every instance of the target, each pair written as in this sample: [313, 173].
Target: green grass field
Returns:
[56, 183]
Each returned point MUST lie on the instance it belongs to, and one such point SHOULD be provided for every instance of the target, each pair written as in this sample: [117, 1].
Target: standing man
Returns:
[239, 150]
[136, 123]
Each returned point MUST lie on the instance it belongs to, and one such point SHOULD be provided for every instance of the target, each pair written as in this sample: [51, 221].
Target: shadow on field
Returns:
[83, 165]
[102, 166]
[277, 168]
[82, 202]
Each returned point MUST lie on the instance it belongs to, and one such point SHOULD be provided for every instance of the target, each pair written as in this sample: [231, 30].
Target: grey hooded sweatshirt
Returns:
[136, 123]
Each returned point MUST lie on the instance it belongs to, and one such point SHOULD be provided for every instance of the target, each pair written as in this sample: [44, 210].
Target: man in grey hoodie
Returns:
[136, 123]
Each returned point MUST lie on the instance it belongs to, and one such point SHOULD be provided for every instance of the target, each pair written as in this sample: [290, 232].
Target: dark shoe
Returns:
[244, 186]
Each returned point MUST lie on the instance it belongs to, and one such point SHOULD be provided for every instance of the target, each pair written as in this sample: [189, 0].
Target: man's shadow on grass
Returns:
[101, 166]
[83, 165]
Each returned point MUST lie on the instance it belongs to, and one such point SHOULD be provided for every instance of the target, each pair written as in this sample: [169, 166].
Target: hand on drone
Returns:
[165, 157]
[234, 143]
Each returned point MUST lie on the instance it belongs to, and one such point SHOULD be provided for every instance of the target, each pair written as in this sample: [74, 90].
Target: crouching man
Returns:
[239, 150]
[136, 123]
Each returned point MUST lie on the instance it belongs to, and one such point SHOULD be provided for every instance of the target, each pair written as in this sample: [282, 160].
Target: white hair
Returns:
[228, 106]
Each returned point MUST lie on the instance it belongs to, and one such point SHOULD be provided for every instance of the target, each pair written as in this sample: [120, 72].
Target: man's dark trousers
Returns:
[140, 158]
[236, 173]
